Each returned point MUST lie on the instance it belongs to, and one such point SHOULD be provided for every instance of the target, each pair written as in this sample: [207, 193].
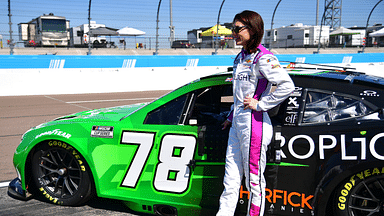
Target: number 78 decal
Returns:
[172, 172]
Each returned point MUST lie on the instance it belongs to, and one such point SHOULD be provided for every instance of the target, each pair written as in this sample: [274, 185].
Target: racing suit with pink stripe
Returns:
[251, 131]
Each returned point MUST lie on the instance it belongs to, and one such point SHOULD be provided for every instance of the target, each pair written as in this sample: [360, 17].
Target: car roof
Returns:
[351, 76]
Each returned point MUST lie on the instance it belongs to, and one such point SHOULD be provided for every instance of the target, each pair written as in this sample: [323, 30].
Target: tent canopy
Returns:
[103, 31]
[343, 31]
[126, 31]
[378, 33]
[213, 31]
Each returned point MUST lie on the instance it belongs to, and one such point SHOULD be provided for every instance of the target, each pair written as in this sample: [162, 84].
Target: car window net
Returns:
[322, 107]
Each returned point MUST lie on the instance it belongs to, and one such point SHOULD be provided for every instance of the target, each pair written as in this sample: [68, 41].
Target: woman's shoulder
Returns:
[266, 59]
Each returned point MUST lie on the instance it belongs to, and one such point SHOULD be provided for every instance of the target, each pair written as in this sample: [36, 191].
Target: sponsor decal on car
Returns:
[282, 200]
[57, 132]
[370, 93]
[323, 140]
[102, 131]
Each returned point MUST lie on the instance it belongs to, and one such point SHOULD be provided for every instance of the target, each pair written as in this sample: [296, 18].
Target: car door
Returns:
[172, 158]
[211, 106]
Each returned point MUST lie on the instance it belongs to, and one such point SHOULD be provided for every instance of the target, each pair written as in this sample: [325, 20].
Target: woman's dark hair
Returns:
[255, 25]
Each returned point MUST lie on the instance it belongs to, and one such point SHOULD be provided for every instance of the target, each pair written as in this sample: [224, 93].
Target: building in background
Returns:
[370, 40]
[343, 37]
[296, 35]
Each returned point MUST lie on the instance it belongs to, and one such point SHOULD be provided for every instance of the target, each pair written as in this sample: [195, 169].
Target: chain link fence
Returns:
[186, 16]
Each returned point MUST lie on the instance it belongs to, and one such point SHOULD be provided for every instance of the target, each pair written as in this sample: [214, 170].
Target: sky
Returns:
[187, 15]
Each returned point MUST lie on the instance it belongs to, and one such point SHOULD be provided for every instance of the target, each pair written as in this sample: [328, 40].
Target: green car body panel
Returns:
[110, 158]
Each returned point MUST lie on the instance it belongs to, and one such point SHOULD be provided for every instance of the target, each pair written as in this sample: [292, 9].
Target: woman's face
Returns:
[243, 34]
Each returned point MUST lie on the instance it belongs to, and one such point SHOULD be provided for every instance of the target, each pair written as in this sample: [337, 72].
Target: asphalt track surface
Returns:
[20, 113]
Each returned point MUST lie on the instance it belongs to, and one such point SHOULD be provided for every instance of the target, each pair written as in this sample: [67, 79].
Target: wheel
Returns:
[61, 174]
[362, 194]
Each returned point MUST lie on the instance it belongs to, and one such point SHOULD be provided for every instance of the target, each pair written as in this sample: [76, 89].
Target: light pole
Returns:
[272, 34]
[217, 30]
[321, 27]
[157, 30]
[89, 28]
[10, 28]
[366, 27]
[171, 26]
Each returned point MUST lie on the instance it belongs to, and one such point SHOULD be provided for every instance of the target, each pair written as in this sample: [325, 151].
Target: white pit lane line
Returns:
[4, 184]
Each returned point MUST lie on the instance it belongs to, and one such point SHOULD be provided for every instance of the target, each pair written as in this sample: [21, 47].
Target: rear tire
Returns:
[361, 194]
[61, 174]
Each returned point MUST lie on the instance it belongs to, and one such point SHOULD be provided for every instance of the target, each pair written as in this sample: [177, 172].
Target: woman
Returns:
[255, 70]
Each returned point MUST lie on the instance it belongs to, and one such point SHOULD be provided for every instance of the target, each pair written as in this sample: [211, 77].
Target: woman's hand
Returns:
[250, 103]
[226, 124]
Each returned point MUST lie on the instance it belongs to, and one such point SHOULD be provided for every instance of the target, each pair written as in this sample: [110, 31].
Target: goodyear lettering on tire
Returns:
[66, 146]
[49, 197]
[345, 192]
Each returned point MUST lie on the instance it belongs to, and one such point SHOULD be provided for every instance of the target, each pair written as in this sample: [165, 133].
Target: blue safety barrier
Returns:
[128, 61]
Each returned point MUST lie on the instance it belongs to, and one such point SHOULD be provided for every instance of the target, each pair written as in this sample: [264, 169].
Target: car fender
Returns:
[32, 139]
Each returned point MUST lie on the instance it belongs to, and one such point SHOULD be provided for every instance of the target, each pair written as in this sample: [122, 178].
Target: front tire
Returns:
[61, 174]
[362, 194]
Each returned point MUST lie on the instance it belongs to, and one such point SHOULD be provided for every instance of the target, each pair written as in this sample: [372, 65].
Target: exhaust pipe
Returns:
[165, 210]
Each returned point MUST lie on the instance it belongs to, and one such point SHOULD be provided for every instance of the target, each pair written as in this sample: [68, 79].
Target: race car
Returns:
[167, 157]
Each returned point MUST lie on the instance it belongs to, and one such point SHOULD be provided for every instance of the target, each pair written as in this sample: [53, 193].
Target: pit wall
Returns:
[59, 62]
[51, 74]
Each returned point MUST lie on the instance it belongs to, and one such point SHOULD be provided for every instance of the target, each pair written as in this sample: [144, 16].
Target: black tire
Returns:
[61, 175]
[362, 194]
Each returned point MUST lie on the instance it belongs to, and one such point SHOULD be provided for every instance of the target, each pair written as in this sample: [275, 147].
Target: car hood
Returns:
[104, 114]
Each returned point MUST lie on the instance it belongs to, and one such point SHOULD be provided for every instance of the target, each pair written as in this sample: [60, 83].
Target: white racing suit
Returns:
[251, 131]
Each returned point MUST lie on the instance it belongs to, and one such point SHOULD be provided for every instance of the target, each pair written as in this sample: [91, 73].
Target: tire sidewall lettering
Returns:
[49, 197]
[84, 191]
[55, 143]
[344, 192]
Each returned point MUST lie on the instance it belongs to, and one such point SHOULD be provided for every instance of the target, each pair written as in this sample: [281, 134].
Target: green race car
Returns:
[167, 157]
[146, 154]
